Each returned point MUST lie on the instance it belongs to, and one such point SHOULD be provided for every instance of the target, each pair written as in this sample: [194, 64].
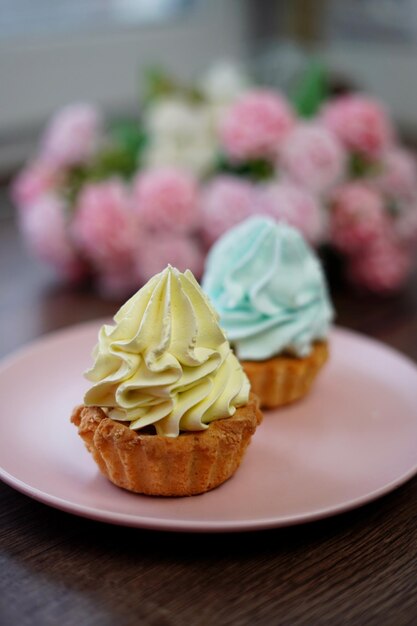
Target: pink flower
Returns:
[398, 178]
[312, 156]
[166, 198]
[360, 123]
[255, 126]
[105, 227]
[405, 225]
[45, 230]
[226, 201]
[35, 180]
[117, 283]
[72, 135]
[159, 249]
[357, 217]
[383, 267]
[295, 206]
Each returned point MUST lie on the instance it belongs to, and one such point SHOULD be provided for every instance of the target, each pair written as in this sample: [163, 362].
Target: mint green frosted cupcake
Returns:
[268, 287]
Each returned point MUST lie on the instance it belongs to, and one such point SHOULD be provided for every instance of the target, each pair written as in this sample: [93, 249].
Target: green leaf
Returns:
[75, 180]
[128, 136]
[361, 166]
[255, 169]
[311, 90]
[111, 162]
[157, 84]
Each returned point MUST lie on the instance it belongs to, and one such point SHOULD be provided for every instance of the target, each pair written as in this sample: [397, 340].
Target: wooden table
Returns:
[357, 568]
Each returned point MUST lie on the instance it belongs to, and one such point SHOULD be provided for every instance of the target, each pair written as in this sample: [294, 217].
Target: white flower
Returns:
[181, 134]
[224, 83]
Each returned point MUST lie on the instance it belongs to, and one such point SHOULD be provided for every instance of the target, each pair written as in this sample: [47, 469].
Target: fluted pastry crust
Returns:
[284, 379]
[192, 463]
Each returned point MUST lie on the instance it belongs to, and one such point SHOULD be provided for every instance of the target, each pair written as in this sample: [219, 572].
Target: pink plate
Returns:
[353, 439]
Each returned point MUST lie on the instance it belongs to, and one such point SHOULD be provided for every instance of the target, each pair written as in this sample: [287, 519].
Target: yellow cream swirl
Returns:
[166, 361]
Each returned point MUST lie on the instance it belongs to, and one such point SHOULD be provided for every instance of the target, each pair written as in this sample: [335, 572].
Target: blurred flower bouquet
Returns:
[118, 203]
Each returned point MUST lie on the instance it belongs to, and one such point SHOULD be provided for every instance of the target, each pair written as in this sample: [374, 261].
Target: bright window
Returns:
[37, 17]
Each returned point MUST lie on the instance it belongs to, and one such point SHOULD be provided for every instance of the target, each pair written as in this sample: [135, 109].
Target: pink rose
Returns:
[159, 249]
[360, 123]
[398, 178]
[166, 198]
[72, 135]
[35, 180]
[357, 217]
[226, 201]
[104, 226]
[255, 126]
[45, 230]
[313, 157]
[295, 206]
[382, 267]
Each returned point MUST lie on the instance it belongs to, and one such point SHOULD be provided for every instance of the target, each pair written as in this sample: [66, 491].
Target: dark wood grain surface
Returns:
[357, 568]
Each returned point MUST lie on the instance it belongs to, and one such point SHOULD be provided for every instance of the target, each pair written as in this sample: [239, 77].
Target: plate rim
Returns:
[178, 526]
[184, 525]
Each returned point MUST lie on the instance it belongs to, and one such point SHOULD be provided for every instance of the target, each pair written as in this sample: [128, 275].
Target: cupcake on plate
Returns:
[269, 290]
[170, 410]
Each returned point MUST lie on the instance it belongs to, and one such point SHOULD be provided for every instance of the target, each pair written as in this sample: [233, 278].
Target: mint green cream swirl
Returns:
[269, 290]
[166, 362]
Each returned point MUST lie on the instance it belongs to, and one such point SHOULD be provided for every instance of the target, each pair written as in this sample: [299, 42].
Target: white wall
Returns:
[38, 76]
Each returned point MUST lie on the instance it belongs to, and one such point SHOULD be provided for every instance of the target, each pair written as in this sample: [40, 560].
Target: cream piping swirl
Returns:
[166, 360]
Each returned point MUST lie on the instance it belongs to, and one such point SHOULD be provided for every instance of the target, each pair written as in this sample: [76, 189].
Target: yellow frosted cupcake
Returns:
[169, 412]
[269, 290]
